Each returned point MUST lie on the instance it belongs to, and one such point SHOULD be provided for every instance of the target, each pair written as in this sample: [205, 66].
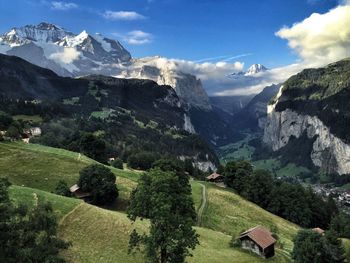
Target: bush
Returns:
[142, 160]
[117, 163]
[62, 189]
[235, 242]
[100, 182]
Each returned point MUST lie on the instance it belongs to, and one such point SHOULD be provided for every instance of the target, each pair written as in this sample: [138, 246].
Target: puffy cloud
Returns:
[321, 38]
[318, 40]
[63, 5]
[122, 15]
[253, 84]
[66, 56]
[205, 71]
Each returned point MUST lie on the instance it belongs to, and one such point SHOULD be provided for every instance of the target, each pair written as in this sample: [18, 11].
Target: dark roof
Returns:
[260, 236]
[214, 176]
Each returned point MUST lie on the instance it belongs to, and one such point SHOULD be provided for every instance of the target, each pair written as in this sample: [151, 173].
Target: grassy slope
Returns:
[61, 205]
[346, 243]
[41, 167]
[231, 214]
[86, 226]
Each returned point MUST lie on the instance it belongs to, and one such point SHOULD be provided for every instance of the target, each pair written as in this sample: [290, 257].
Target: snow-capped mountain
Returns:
[252, 70]
[67, 54]
[74, 55]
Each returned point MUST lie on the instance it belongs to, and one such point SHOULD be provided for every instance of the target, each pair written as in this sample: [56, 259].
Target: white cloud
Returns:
[122, 15]
[63, 6]
[318, 40]
[66, 56]
[136, 37]
[321, 38]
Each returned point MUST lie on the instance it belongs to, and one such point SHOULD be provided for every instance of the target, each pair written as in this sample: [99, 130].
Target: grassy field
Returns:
[86, 228]
[41, 167]
[231, 214]
[61, 205]
[346, 243]
[101, 235]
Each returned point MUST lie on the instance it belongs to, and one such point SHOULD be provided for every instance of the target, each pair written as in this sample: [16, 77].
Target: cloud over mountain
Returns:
[122, 15]
[321, 38]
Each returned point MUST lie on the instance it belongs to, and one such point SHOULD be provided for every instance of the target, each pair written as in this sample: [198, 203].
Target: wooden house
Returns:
[258, 240]
[78, 193]
[215, 178]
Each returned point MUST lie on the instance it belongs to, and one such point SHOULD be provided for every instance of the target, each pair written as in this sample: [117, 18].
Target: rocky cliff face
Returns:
[314, 104]
[329, 153]
[165, 72]
[254, 115]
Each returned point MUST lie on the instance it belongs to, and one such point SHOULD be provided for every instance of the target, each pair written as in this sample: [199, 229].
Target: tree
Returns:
[142, 160]
[13, 132]
[341, 225]
[230, 172]
[62, 189]
[312, 247]
[117, 163]
[93, 147]
[161, 197]
[258, 187]
[28, 235]
[100, 182]
[5, 120]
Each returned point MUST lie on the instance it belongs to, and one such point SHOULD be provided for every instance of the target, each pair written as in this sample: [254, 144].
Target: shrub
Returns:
[100, 182]
[62, 189]
[117, 163]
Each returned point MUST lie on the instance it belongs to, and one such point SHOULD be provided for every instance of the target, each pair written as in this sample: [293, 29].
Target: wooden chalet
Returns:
[215, 178]
[75, 189]
[258, 240]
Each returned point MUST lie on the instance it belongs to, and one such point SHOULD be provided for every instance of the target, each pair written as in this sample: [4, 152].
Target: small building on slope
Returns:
[258, 240]
[215, 178]
[78, 193]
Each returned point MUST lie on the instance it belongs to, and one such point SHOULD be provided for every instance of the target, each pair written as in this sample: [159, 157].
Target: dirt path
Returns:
[203, 205]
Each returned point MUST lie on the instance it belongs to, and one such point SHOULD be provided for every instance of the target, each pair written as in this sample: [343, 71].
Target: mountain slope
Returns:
[313, 108]
[75, 55]
[253, 115]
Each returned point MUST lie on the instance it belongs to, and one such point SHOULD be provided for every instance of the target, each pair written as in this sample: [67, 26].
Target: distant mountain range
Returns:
[75, 55]
[69, 54]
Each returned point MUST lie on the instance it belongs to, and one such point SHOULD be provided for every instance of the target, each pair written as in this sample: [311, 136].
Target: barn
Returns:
[258, 240]
[75, 189]
[215, 178]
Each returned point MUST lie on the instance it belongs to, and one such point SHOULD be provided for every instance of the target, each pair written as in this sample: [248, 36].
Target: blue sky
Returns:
[183, 29]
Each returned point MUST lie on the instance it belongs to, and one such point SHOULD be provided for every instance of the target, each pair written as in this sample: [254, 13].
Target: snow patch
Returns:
[100, 39]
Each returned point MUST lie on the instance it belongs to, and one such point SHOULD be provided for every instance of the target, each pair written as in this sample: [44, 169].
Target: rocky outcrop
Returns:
[165, 72]
[329, 152]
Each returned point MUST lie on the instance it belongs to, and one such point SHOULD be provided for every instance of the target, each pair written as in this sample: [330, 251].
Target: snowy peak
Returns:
[255, 68]
[252, 70]
[43, 32]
